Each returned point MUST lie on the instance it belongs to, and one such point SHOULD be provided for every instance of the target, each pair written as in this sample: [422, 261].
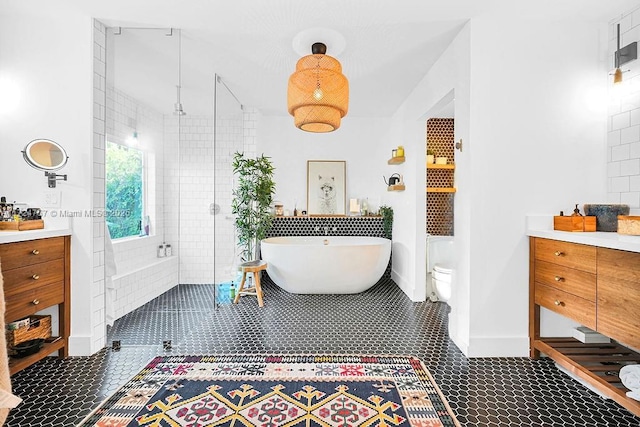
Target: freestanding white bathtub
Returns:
[326, 264]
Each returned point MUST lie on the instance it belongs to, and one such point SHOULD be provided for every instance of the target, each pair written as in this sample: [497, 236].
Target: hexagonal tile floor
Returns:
[482, 392]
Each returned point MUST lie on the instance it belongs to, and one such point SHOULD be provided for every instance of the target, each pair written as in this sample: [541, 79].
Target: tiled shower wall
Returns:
[623, 142]
[99, 108]
[440, 135]
[196, 180]
[205, 242]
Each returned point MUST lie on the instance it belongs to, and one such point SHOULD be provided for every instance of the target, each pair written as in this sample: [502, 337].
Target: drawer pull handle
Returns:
[558, 303]
[35, 302]
[35, 252]
[558, 253]
[559, 279]
[35, 277]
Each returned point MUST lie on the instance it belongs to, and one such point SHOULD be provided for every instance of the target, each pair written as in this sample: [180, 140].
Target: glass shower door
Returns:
[230, 138]
[142, 134]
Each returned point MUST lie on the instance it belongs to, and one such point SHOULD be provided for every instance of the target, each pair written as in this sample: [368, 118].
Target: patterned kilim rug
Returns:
[277, 390]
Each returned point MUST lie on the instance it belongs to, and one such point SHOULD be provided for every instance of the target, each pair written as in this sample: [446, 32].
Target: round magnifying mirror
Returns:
[44, 154]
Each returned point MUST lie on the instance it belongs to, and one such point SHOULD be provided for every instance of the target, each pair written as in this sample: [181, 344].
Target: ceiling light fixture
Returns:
[622, 56]
[318, 92]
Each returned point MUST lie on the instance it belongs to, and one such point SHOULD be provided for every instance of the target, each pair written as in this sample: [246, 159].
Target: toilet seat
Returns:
[443, 268]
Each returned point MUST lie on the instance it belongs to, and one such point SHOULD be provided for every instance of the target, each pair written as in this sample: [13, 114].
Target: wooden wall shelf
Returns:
[395, 160]
[441, 190]
[395, 188]
[437, 166]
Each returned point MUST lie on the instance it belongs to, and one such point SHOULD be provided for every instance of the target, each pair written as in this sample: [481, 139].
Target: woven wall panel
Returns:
[440, 137]
[440, 214]
[440, 134]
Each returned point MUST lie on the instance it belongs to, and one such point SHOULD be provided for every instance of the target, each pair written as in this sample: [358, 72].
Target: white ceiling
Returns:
[390, 45]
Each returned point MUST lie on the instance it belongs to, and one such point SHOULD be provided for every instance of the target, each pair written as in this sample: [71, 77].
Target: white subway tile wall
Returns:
[197, 171]
[623, 141]
[140, 286]
[99, 105]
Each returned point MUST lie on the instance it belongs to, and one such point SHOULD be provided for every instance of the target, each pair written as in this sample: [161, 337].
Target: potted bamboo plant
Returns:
[251, 202]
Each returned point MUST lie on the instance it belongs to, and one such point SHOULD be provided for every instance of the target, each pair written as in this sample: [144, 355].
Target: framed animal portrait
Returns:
[326, 187]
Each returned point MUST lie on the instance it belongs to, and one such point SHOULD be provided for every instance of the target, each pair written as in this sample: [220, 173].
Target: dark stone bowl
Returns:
[606, 215]
[27, 348]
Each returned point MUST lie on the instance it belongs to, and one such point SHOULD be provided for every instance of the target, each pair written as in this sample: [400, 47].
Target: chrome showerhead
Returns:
[178, 111]
[177, 107]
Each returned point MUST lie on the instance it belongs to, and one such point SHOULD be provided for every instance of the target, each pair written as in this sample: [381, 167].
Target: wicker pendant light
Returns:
[318, 93]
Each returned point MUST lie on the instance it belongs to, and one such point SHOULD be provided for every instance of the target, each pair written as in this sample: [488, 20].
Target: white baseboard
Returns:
[415, 295]
[80, 346]
[498, 347]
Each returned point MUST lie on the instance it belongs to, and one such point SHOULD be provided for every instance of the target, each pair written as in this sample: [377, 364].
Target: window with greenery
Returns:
[125, 190]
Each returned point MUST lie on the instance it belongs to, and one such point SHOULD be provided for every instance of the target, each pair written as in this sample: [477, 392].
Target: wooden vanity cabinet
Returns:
[619, 295]
[37, 275]
[598, 288]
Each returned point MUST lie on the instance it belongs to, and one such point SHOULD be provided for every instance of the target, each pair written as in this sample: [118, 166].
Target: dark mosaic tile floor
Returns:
[482, 392]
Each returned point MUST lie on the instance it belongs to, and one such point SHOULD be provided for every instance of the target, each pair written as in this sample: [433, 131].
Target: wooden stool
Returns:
[254, 267]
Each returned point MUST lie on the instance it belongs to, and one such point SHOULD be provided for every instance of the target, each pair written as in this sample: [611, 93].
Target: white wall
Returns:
[449, 75]
[623, 139]
[531, 144]
[537, 147]
[362, 142]
[49, 59]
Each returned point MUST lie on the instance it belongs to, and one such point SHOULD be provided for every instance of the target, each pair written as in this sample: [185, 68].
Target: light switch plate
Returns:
[52, 199]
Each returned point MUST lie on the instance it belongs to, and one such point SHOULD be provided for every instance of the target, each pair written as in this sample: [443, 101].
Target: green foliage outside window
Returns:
[124, 192]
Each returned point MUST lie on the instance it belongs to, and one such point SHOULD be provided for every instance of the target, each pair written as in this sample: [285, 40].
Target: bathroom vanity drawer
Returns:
[33, 276]
[30, 301]
[571, 280]
[20, 254]
[572, 255]
[566, 304]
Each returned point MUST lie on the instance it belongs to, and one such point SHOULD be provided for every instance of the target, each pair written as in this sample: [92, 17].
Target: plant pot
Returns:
[431, 158]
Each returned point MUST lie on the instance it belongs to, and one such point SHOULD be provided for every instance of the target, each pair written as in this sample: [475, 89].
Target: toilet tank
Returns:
[439, 251]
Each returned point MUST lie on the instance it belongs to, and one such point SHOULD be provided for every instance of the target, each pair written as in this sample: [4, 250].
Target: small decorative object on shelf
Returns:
[400, 151]
[431, 155]
[441, 160]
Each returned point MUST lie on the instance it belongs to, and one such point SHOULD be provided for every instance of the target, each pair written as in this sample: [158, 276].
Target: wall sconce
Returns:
[622, 56]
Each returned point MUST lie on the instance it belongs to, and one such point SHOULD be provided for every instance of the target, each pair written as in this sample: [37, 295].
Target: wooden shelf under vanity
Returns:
[441, 190]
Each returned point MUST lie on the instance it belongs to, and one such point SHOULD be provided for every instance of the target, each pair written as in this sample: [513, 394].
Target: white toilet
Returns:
[439, 267]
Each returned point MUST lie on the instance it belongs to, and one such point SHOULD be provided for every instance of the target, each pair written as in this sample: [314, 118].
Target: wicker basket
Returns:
[40, 327]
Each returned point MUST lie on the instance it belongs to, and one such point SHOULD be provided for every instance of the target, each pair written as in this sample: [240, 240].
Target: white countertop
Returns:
[542, 226]
[22, 236]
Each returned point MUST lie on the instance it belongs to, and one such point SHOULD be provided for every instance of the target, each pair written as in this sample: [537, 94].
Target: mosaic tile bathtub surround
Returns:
[337, 226]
